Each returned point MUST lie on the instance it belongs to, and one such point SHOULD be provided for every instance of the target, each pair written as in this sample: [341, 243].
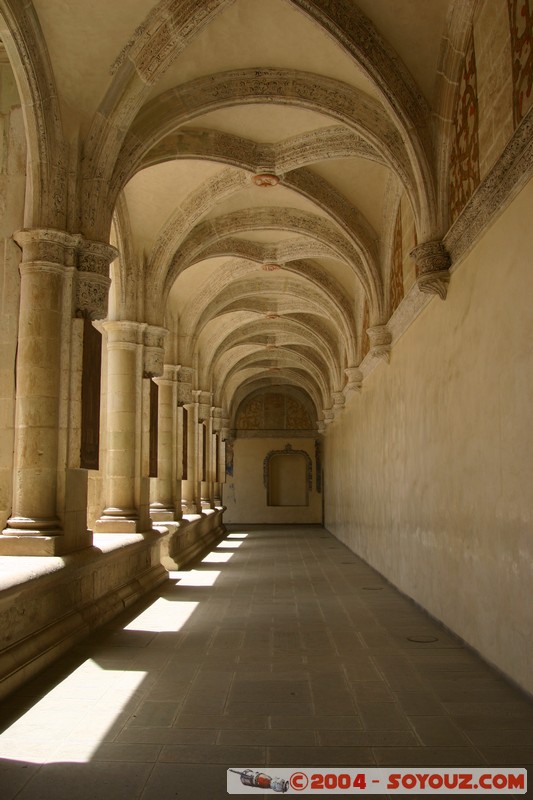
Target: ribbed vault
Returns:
[252, 189]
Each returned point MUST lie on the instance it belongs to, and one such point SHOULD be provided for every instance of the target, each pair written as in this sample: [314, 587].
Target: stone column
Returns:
[205, 428]
[124, 399]
[217, 448]
[162, 488]
[35, 527]
[190, 498]
[432, 268]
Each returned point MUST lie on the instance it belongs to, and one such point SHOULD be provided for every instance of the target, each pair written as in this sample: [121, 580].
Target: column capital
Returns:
[122, 331]
[93, 282]
[329, 416]
[185, 381]
[169, 376]
[380, 341]
[432, 267]
[48, 245]
[154, 351]
[338, 400]
[355, 380]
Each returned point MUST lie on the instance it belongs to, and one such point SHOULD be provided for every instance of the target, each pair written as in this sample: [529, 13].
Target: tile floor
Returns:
[279, 648]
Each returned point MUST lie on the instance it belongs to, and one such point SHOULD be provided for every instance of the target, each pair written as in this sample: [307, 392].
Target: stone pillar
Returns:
[162, 488]
[205, 429]
[35, 527]
[134, 351]
[190, 497]
[217, 460]
[432, 268]
[187, 441]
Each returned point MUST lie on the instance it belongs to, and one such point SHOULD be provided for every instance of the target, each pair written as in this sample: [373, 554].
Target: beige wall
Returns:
[245, 495]
[429, 471]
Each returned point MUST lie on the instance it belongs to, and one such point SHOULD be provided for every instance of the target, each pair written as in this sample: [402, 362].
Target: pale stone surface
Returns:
[148, 129]
[453, 459]
[245, 495]
[492, 43]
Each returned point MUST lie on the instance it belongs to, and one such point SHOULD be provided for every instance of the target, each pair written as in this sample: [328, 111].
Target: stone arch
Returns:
[292, 392]
[209, 300]
[298, 151]
[259, 300]
[361, 113]
[22, 37]
[288, 450]
[352, 223]
[258, 332]
[256, 381]
[166, 32]
[210, 232]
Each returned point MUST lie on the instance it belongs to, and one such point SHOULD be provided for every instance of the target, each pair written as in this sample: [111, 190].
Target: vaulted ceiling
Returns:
[248, 152]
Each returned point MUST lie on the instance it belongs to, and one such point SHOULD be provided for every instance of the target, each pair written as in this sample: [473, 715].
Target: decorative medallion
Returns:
[265, 180]
[270, 267]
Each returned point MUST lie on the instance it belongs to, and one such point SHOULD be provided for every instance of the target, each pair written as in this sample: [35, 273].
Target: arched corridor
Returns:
[268, 262]
[279, 648]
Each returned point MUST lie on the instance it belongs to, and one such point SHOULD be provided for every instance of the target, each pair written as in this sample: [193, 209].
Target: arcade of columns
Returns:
[188, 227]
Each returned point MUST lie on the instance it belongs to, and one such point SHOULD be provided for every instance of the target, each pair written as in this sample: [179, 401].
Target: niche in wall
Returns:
[287, 477]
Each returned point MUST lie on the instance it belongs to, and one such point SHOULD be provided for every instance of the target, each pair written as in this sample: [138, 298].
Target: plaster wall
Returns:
[429, 470]
[245, 495]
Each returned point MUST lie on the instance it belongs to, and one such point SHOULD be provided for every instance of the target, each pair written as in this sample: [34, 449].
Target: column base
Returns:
[161, 513]
[116, 520]
[13, 543]
[190, 508]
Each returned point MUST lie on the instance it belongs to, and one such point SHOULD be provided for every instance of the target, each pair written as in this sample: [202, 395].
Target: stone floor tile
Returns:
[186, 782]
[382, 717]
[62, 781]
[275, 690]
[123, 751]
[167, 736]
[427, 756]
[217, 721]
[298, 738]
[419, 704]
[320, 756]
[241, 709]
[367, 738]
[326, 722]
[216, 754]
[152, 714]
[14, 775]
[500, 737]
[510, 755]
[438, 731]
[371, 692]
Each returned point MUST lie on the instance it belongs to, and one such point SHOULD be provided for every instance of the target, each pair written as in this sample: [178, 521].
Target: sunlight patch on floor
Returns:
[194, 577]
[217, 558]
[163, 616]
[228, 543]
[76, 715]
